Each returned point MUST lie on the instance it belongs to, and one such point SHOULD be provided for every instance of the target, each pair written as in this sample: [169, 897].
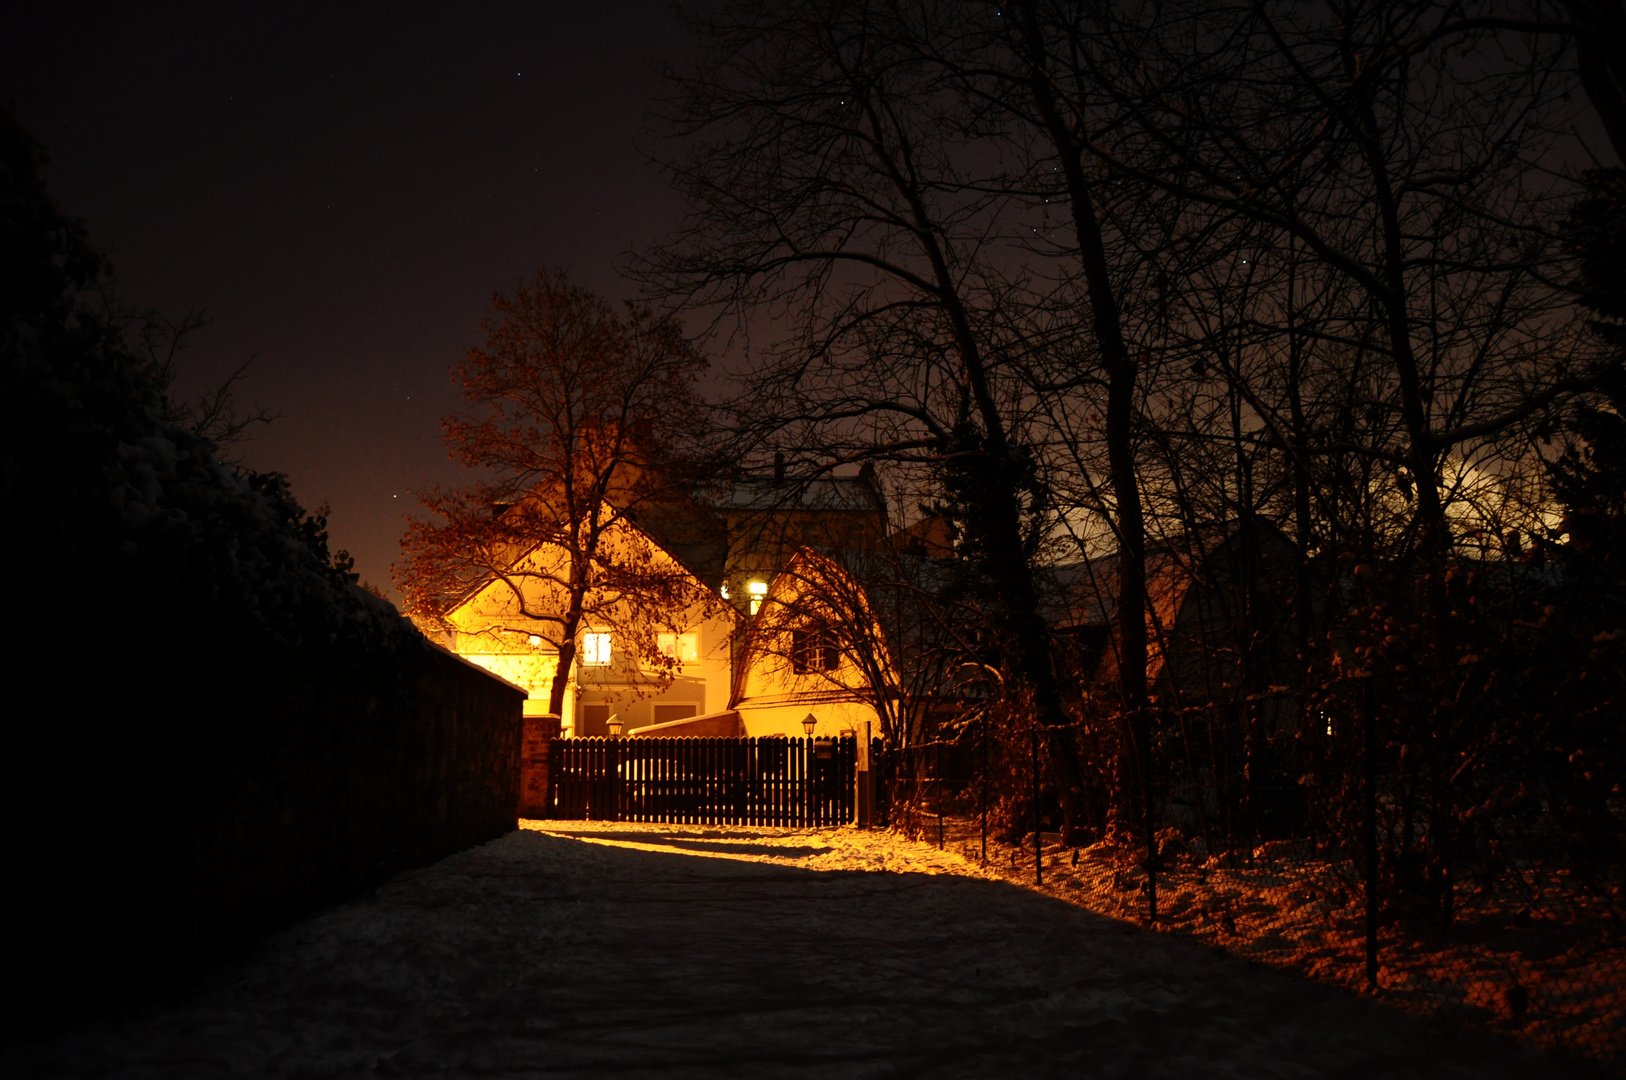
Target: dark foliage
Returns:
[1598, 229]
[191, 675]
[1590, 480]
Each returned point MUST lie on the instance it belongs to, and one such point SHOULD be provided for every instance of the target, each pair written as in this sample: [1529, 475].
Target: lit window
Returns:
[758, 590]
[684, 648]
[596, 649]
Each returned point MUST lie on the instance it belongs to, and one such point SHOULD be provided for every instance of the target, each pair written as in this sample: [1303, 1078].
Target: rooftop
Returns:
[841, 493]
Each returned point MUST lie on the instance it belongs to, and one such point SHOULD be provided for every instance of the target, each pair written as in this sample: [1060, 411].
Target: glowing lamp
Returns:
[809, 722]
[614, 725]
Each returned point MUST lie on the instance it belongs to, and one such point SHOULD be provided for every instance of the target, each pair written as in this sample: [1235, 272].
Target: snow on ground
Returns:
[1549, 982]
[594, 949]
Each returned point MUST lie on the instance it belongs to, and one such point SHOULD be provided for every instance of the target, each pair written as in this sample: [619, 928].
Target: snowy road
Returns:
[639, 951]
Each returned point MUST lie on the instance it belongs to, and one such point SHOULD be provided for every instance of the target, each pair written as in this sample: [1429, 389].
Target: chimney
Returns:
[778, 467]
[866, 476]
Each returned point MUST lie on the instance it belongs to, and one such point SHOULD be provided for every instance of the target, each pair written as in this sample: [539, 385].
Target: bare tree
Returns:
[1138, 272]
[1373, 362]
[835, 174]
[821, 623]
[1599, 31]
[1405, 148]
[580, 419]
[215, 412]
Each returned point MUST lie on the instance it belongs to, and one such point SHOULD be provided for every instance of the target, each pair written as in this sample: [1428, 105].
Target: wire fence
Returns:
[1533, 948]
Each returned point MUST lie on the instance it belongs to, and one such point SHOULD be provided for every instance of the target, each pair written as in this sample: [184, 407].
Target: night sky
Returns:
[341, 190]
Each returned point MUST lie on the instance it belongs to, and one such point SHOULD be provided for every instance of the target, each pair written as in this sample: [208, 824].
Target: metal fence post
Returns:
[982, 790]
[1038, 835]
[1370, 827]
[1143, 726]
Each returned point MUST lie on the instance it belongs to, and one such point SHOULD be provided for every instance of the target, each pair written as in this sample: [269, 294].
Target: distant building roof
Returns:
[841, 493]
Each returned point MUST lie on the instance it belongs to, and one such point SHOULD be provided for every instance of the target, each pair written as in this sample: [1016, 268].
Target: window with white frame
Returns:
[684, 648]
[596, 648]
[813, 650]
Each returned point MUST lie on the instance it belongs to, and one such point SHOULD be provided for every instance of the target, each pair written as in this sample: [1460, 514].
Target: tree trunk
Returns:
[561, 675]
[567, 638]
[1121, 379]
[1600, 54]
[1025, 638]
[1032, 658]
[1433, 538]
[1028, 641]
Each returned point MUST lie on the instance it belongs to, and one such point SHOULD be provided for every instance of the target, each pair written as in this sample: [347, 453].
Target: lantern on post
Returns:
[809, 722]
[613, 725]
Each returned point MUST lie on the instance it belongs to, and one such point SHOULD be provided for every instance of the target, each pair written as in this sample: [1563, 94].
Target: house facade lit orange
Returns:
[815, 648]
[704, 667]
[641, 663]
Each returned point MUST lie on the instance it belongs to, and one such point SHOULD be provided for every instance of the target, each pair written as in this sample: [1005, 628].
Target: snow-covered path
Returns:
[631, 951]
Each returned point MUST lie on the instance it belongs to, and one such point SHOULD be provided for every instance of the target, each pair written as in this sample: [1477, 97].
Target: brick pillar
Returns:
[540, 731]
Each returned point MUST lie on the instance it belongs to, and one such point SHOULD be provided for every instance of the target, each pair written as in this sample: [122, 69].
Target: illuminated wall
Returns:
[492, 630]
[774, 695]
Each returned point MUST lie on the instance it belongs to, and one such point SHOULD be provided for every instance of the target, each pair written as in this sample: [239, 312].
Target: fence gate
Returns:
[768, 780]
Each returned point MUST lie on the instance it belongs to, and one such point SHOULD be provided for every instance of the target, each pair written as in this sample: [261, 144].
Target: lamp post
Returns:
[613, 725]
[809, 722]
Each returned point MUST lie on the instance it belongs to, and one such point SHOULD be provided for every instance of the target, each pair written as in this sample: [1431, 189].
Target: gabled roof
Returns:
[702, 545]
[1086, 593]
[686, 530]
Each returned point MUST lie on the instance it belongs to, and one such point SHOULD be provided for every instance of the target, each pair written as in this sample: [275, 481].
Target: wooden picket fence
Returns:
[768, 780]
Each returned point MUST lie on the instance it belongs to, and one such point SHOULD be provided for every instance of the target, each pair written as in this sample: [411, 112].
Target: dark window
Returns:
[813, 650]
[665, 714]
